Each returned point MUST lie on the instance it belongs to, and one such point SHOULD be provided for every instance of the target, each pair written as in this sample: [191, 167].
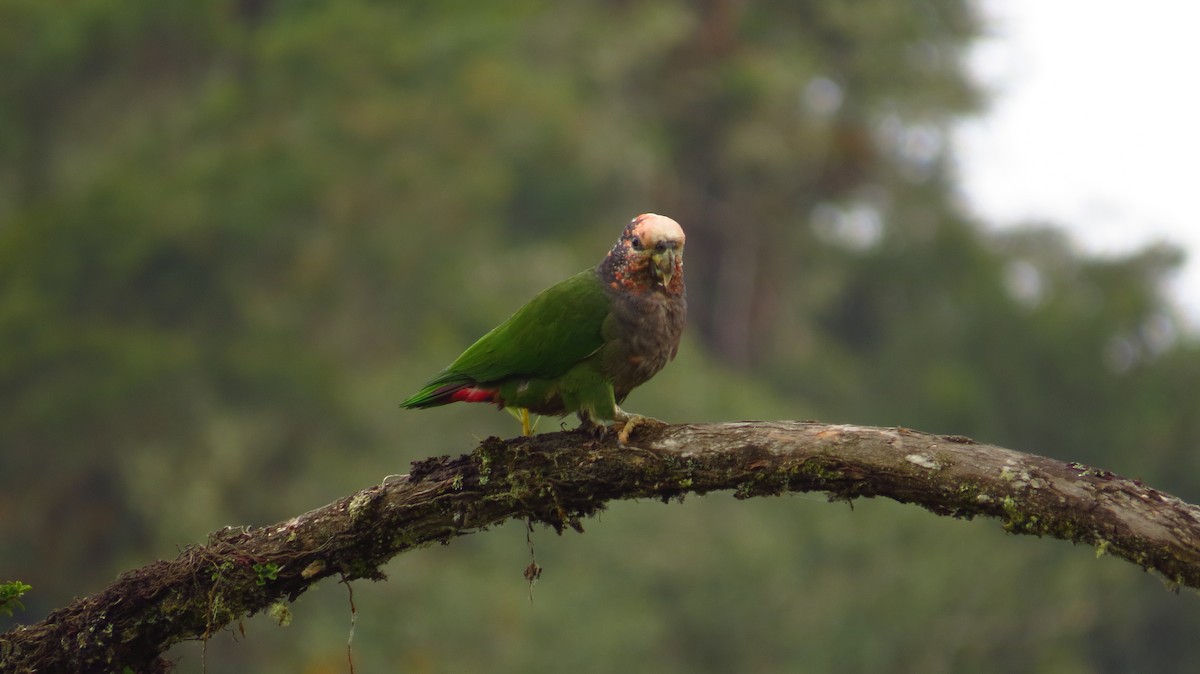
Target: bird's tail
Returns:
[439, 392]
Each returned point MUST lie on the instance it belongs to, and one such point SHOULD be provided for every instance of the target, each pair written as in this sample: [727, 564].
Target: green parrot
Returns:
[583, 344]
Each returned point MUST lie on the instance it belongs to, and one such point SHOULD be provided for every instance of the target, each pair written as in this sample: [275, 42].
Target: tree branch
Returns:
[561, 478]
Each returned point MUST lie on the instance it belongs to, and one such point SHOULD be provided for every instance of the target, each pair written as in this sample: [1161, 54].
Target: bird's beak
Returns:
[664, 265]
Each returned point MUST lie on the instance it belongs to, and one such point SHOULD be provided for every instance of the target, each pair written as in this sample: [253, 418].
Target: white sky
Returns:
[1094, 125]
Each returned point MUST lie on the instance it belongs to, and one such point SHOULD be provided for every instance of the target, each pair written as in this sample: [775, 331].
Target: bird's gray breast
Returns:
[642, 335]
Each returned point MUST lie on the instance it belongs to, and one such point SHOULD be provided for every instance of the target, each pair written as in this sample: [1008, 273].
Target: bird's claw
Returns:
[597, 431]
[623, 425]
[626, 425]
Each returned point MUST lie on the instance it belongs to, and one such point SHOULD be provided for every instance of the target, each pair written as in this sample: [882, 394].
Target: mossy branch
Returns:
[562, 478]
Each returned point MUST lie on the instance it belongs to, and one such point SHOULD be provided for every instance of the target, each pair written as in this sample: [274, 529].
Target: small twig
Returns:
[533, 571]
[353, 622]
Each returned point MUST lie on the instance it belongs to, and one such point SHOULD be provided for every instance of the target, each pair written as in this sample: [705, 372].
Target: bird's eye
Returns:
[636, 242]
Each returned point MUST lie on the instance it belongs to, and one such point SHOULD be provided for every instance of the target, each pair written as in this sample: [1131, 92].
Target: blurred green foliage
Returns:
[10, 597]
[233, 235]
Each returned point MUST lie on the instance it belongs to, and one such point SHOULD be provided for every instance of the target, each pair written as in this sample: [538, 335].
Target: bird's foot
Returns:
[624, 424]
[596, 430]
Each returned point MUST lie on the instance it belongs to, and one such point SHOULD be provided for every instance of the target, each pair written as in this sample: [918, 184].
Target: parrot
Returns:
[583, 344]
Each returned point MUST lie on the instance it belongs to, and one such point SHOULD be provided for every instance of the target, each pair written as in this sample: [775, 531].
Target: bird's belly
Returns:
[649, 340]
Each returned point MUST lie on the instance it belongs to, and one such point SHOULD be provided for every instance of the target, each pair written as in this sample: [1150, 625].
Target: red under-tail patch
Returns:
[474, 395]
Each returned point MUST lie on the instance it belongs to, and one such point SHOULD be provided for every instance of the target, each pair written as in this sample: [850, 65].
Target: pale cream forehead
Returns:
[653, 228]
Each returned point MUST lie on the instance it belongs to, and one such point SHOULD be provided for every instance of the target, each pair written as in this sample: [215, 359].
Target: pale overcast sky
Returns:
[1095, 125]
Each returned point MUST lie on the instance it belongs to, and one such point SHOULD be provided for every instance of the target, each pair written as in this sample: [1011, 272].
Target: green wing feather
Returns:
[543, 339]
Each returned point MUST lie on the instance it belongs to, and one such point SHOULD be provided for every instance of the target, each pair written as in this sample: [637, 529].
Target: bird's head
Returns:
[649, 255]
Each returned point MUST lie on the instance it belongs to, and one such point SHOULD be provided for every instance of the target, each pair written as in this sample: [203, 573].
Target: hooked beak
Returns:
[664, 265]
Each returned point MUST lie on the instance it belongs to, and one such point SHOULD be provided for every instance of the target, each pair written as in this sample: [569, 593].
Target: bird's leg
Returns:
[522, 415]
[526, 427]
[624, 423]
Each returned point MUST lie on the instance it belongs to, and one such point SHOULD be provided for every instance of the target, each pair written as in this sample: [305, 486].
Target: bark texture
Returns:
[562, 478]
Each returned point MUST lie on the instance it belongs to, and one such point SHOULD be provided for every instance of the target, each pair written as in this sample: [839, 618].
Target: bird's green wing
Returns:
[551, 333]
